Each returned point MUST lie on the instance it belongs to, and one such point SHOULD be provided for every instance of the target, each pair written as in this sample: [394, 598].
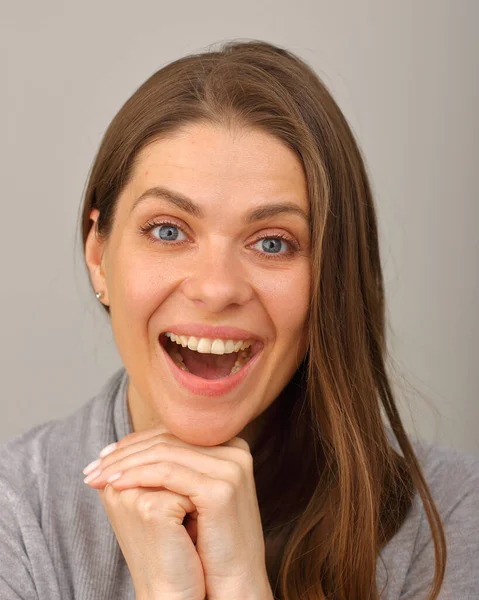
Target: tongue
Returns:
[208, 366]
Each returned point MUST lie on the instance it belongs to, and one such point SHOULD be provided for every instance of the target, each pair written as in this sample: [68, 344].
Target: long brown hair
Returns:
[332, 490]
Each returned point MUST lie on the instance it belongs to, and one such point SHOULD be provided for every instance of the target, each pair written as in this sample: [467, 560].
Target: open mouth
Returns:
[209, 359]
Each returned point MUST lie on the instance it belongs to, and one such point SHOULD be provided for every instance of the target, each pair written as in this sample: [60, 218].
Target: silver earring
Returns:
[99, 295]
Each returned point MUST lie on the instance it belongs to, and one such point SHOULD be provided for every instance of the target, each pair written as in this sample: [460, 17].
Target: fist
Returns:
[149, 524]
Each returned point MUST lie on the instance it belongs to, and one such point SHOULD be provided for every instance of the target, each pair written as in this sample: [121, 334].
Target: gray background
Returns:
[404, 73]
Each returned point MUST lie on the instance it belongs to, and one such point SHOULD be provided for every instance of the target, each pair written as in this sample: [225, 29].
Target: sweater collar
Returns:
[121, 414]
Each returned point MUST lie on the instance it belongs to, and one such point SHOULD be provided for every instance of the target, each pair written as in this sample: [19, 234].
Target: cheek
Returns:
[286, 296]
[143, 284]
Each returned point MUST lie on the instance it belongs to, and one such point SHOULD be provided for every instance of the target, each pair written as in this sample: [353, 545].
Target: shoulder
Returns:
[22, 462]
[28, 460]
[453, 479]
[42, 494]
[452, 475]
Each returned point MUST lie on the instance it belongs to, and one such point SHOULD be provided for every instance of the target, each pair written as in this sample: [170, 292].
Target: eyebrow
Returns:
[181, 201]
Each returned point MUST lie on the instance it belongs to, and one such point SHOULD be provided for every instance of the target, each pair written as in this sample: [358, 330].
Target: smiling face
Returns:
[220, 262]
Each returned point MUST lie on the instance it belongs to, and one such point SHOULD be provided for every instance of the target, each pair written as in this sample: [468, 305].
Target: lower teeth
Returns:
[243, 358]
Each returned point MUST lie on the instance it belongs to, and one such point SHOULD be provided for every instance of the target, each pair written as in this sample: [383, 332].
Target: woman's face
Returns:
[235, 254]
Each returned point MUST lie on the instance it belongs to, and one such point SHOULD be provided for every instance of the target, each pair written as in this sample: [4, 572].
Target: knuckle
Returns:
[165, 439]
[236, 474]
[129, 497]
[247, 461]
[160, 449]
[125, 441]
[109, 493]
[203, 480]
[241, 444]
[225, 492]
[165, 469]
[146, 507]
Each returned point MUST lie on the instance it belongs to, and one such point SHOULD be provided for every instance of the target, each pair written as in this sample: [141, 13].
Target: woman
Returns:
[229, 232]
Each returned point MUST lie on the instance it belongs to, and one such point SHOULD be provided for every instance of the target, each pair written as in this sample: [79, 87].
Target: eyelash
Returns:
[293, 245]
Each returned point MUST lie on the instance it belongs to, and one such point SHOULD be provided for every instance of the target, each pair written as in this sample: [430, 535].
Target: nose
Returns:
[217, 281]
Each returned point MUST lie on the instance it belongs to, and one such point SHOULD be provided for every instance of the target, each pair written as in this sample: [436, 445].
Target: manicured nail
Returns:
[93, 465]
[114, 477]
[108, 449]
[92, 476]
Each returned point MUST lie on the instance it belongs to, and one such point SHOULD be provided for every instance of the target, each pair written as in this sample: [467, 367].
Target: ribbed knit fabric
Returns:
[56, 542]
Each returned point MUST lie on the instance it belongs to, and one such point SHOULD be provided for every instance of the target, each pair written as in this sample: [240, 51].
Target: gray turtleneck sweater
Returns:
[56, 542]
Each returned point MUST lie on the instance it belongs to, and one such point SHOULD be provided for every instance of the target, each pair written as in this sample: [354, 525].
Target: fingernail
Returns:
[93, 465]
[92, 476]
[114, 477]
[108, 449]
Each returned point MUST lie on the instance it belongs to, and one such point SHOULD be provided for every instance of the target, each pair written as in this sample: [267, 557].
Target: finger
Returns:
[165, 438]
[238, 442]
[162, 452]
[155, 429]
[138, 436]
[133, 500]
[203, 491]
[236, 450]
[124, 447]
[122, 453]
[126, 442]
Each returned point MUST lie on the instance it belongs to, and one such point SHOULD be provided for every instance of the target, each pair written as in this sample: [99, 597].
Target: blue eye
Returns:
[168, 232]
[272, 245]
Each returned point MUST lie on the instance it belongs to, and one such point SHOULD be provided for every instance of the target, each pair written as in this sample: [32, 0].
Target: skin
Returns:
[159, 480]
[222, 276]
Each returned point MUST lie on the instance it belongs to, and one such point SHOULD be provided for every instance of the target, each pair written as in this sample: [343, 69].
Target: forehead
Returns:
[210, 163]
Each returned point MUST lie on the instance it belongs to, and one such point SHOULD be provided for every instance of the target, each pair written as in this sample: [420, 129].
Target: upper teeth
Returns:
[209, 346]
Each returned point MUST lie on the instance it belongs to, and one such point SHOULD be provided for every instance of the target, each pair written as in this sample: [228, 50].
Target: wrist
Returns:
[160, 597]
[155, 596]
[258, 592]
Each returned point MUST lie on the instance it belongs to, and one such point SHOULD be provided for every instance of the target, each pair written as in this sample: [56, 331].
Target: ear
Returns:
[94, 257]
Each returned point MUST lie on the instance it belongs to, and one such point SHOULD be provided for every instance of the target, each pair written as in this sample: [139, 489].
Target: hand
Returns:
[148, 524]
[162, 481]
